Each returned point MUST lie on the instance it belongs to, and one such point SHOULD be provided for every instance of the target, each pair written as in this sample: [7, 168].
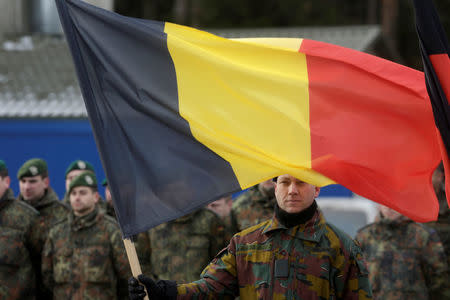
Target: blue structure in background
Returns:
[61, 141]
[58, 141]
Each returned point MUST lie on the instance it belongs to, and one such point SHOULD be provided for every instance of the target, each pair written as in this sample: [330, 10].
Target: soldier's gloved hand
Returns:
[162, 289]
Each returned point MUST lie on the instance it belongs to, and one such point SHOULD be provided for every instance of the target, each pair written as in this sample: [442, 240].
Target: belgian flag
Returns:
[435, 51]
[182, 117]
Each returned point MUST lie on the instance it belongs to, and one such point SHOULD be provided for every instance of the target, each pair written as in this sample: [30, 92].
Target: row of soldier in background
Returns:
[74, 246]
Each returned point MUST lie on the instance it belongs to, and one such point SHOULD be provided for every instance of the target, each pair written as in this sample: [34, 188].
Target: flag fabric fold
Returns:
[435, 52]
[182, 117]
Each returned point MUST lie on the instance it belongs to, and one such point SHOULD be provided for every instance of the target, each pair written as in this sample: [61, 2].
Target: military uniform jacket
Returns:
[252, 208]
[406, 260]
[268, 261]
[84, 258]
[182, 248]
[50, 209]
[18, 246]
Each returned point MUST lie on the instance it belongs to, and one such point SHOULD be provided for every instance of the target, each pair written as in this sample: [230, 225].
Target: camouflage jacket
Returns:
[18, 247]
[252, 208]
[442, 226]
[405, 260]
[182, 248]
[51, 211]
[84, 258]
[314, 260]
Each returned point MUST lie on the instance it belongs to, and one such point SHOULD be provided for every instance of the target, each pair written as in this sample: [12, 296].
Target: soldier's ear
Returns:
[46, 181]
[317, 191]
[96, 197]
[7, 181]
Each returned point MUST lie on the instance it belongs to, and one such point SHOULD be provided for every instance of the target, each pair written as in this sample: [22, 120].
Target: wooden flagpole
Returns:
[133, 259]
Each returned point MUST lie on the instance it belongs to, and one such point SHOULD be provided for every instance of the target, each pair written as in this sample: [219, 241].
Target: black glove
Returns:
[162, 289]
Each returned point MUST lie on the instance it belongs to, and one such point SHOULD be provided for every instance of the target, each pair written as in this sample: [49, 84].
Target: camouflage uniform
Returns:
[141, 241]
[18, 248]
[182, 248]
[50, 209]
[442, 226]
[231, 227]
[253, 207]
[321, 262]
[405, 259]
[84, 258]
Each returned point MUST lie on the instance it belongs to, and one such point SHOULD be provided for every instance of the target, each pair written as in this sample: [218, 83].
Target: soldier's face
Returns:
[294, 195]
[33, 188]
[82, 200]
[222, 206]
[71, 175]
[4, 184]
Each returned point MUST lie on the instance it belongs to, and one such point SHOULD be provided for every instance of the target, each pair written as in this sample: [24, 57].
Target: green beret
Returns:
[3, 166]
[79, 165]
[84, 179]
[33, 167]
[104, 182]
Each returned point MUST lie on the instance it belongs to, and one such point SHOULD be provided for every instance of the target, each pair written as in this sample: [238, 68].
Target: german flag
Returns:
[435, 51]
[182, 117]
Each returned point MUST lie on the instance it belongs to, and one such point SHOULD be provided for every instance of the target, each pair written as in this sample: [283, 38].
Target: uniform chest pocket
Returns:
[97, 264]
[13, 249]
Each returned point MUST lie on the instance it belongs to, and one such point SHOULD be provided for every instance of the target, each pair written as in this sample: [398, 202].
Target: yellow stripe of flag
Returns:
[247, 100]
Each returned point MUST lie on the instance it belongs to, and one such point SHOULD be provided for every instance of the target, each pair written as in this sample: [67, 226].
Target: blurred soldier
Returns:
[140, 240]
[294, 255]
[84, 256]
[442, 225]
[406, 260]
[73, 170]
[35, 190]
[182, 248]
[18, 245]
[255, 206]
[222, 207]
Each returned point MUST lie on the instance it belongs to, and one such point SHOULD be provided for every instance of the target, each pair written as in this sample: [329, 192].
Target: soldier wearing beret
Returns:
[406, 260]
[73, 170]
[19, 246]
[294, 255]
[35, 190]
[84, 256]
